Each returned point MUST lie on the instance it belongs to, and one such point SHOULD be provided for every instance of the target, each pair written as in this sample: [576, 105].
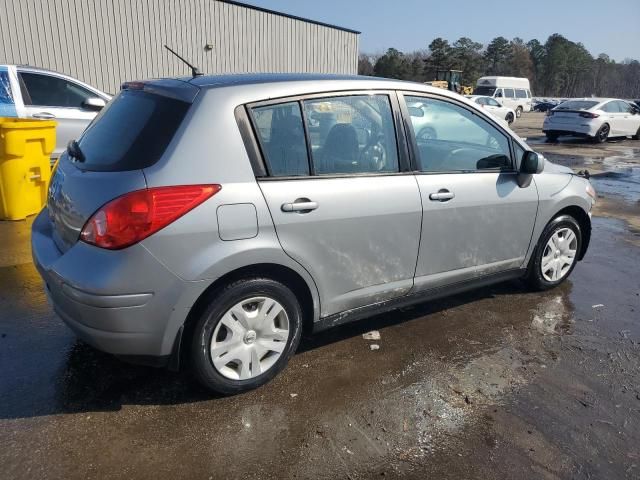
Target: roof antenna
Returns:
[194, 70]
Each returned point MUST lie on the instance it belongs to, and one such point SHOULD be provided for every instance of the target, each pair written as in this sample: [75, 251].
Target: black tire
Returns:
[637, 135]
[219, 303]
[534, 276]
[509, 118]
[603, 134]
[552, 137]
[518, 112]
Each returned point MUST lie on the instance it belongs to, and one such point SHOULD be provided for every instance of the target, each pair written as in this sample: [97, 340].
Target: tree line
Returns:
[556, 68]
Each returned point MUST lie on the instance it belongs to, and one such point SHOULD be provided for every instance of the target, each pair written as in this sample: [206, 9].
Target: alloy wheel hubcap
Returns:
[559, 254]
[249, 338]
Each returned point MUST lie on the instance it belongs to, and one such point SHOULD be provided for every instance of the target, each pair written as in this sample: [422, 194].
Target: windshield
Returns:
[488, 91]
[131, 132]
[577, 105]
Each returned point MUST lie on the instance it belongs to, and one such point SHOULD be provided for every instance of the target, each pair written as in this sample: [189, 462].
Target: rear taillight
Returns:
[589, 115]
[134, 216]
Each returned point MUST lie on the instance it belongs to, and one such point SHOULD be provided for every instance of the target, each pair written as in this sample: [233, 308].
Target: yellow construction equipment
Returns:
[450, 80]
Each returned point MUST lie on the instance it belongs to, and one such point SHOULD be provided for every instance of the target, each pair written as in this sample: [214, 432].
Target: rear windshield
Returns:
[576, 105]
[488, 91]
[131, 132]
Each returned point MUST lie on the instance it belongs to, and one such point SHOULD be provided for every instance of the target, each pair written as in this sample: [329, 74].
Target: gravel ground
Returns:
[498, 383]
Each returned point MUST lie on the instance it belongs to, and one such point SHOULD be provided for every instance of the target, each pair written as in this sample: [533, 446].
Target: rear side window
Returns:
[509, 93]
[354, 134]
[521, 93]
[131, 132]
[282, 139]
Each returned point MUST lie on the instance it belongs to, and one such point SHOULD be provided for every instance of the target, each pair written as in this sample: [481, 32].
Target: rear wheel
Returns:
[509, 118]
[519, 112]
[602, 134]
[556, 253]
[246, 335]
[637, 135]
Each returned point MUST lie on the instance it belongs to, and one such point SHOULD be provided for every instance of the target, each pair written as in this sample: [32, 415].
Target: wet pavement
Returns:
[494, 384]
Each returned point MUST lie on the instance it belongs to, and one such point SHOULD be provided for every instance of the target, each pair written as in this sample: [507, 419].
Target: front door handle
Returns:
[302, 205]
[443, 195]
[44, 115]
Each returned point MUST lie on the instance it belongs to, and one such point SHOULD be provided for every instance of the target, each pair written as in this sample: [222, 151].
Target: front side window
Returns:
[281, 133]
[521, 93]
[47, 90]
[451, 138]
[509, 93]
[498, 93]
[351, 134]
[624, 107]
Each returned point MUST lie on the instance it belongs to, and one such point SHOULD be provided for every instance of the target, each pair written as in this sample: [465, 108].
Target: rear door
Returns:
[615, 118]
[476, 219]
[48, 96]
[342, 202]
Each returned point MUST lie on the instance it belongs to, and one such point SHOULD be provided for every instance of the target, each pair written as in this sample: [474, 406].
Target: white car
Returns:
[30, 92]
[595, 118]
[492, 106]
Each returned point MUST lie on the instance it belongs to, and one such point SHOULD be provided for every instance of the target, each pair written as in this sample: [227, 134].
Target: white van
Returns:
[512, 92]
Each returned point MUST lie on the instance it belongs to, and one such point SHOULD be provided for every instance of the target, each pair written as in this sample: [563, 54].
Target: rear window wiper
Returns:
[74, 151]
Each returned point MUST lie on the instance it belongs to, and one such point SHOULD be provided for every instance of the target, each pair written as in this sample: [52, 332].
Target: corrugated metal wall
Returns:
[106, 42]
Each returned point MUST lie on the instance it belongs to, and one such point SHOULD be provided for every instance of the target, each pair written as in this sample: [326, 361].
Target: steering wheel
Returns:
[374, 154]
[427, 133]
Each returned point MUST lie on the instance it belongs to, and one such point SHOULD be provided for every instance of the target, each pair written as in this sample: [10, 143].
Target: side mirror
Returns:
[416, 112]
[94, 103]
[531, 164]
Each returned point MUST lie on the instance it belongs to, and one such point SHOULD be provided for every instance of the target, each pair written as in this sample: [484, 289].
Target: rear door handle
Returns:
[303, 206]
[443, 195]
[44, 115]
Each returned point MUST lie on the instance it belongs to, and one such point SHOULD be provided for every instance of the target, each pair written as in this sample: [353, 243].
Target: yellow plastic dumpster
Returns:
[25, 171]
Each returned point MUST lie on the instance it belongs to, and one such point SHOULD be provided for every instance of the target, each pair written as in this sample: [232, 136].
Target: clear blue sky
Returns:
[603, 26]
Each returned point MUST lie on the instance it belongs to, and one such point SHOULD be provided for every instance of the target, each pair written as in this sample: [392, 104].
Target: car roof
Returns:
[260, 78]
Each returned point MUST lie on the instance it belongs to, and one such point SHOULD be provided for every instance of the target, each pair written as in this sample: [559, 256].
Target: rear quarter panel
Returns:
[210, 150]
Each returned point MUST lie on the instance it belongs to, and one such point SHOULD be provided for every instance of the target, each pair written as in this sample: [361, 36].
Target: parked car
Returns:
[512, 92]
[493, 107]
[201, 221]
[595, 118]
[544, 106]
[31, 92]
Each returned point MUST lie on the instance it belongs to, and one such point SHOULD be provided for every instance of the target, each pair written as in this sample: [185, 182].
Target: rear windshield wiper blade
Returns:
[74, 151]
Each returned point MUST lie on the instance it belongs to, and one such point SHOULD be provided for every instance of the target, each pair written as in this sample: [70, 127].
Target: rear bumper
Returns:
[573, 130]
[121, 302]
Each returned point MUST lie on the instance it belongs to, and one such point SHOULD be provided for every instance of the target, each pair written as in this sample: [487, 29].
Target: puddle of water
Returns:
[620, 179]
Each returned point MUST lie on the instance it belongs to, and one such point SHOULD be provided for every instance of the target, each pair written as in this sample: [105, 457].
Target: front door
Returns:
[476, 220]
[341, 205]
[54, 98]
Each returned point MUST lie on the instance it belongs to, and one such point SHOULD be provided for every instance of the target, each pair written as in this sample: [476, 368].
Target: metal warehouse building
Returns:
[107, 42]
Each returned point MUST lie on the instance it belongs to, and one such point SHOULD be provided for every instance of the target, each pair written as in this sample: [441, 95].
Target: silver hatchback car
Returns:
[212, 220]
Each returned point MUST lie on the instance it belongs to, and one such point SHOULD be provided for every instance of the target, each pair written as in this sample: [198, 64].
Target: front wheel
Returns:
[556, 253]
[246, 335]
[509, 118]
